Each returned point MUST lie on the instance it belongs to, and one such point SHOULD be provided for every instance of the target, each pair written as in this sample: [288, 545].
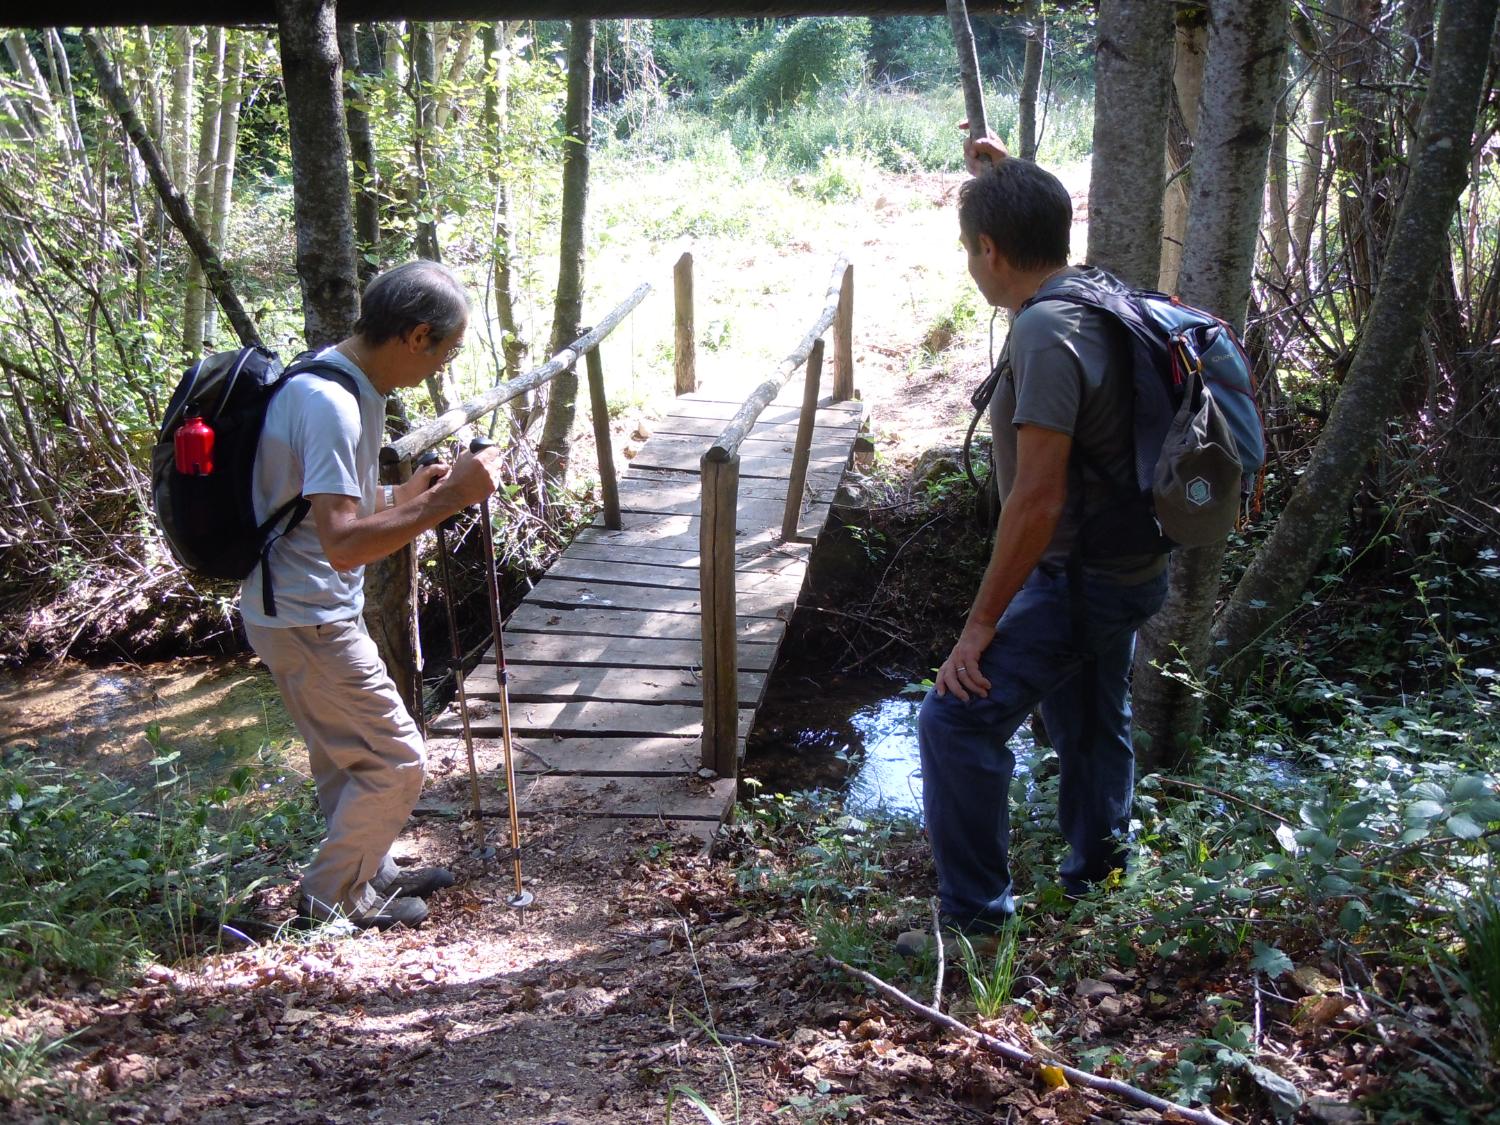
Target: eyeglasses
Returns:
[451, 353]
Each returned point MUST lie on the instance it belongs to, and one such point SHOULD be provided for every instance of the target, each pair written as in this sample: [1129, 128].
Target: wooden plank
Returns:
[680, 532]
[616, 652]
[750, 601]
[686, 453]
[787, 579]
[588, 757]
[834, 447]
[604, 622]
[603, 550]
[710, 428]
[848, 416]
[545, 683]
[668, 720]
[686, 500]
[668, 798]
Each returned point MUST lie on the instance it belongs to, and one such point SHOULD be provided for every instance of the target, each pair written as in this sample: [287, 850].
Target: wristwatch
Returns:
[390, 495]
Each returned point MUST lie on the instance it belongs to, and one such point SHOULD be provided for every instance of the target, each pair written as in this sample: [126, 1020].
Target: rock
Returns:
[1090, 989]
[658, 947]
[1118, 978]
[1110, 1007]
[706, 774]
[934, 464]
[1311, 982]
[1334, 1112]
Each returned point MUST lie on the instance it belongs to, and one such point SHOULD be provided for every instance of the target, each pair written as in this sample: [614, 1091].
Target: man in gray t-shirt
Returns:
[321, 440]
[1047, 627]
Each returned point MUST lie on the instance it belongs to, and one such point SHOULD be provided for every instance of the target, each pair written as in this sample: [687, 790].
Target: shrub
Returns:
[808, 56]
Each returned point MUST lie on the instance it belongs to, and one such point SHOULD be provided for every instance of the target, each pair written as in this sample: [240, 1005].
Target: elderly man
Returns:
[302, 605]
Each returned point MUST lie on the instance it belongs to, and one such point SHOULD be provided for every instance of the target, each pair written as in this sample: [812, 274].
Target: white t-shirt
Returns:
[316, 440]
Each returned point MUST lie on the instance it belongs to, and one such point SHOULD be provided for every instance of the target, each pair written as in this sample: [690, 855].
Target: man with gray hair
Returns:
[321, 441]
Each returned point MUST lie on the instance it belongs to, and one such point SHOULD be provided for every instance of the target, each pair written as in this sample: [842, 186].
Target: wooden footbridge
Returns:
[638, 661]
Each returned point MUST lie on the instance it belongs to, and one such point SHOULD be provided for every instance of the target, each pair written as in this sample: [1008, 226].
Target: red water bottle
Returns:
[194, 445]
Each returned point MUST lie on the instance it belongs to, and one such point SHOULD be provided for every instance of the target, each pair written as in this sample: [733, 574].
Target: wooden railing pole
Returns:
[716, 584]
[686, 349]
[843, 340]
[802, 450]
[599, 408]
[391, 610]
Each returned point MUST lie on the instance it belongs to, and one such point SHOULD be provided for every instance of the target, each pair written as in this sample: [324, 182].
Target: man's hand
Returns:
[981, 153]
[473, 478]
[421, 480]
[960, 673]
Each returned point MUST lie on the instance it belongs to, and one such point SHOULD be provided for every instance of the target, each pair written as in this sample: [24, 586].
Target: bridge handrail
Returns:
[720, 480]
[735, 431]
[445, 425]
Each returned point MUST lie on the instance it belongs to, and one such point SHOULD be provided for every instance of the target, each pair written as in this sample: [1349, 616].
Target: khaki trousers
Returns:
[366, 753]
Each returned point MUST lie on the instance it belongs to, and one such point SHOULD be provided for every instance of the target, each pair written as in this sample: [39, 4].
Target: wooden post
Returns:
[843, 340]
[802, 450]
[599, 409]
[687, 356]
[721, 710]
[391, 610]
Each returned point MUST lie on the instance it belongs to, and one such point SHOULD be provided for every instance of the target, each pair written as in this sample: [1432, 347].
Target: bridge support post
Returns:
[843, 340]
[802, 450]
[716, 583]
[686, 346]
[391, 610]
[609, 488]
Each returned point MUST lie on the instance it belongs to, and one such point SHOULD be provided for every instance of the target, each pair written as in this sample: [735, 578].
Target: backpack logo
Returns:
[1199, 492]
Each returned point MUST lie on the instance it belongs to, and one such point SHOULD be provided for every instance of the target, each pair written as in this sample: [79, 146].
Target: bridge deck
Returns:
[605, 698]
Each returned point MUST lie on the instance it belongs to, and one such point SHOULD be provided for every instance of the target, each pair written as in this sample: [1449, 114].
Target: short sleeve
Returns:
[325, 434]
[1048, 373]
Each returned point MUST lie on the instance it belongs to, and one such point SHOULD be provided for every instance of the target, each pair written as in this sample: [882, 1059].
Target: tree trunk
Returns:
[229, 140]
[557, 430]
[1318, 508]
[1132, 69]
[1307, 200]
[1031, 78]
[423, 76]
[1247, 47]
[1278, 219]
[453, 75]
[180, 113]
[496, 113]
[1189, 57]
[362, 153]
[320, 170]
[196, 299]
[173, 203]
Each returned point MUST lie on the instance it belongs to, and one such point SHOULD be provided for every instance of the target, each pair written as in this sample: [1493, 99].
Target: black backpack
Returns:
[1196, 427]
[204, 460]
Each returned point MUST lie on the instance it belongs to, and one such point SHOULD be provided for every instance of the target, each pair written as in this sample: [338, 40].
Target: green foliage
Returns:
[808, 56]
[1478, 921]
[97, 877]
[991, 978]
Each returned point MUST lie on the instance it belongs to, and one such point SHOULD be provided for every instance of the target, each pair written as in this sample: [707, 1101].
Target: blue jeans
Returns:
[1083, 691]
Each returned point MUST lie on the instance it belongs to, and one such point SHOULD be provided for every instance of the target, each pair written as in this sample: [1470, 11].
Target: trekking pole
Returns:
[522, 898]
[480, 848]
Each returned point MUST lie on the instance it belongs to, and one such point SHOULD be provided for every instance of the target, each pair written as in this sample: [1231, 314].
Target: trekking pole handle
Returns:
[431, 458]
[479, 444]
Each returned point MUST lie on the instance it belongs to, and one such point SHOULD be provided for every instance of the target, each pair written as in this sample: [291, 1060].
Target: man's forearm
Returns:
[1026, 526]
[363, 540]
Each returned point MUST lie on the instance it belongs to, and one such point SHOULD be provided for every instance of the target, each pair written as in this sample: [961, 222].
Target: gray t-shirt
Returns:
[1062, 370]
[316, 440]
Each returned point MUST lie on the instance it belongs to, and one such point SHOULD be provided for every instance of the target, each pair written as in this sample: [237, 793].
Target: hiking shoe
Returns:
[386, 913]
[414, 882]
[919, 943]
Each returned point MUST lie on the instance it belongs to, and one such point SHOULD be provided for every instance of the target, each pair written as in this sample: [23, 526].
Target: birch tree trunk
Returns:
[1242, 80]
[1189, 57]
[180, 111]
[496, 113]
[224, 161]
[311, 71]
[1278, 219]
[1031, 78]
[362, 154]
[1307, 198]
[556, 440]
[1318, 507]
[195, 300]
[424, 74]
[1132, 75]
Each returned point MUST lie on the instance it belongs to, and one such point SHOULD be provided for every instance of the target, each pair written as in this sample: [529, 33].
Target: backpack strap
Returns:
[297, 506]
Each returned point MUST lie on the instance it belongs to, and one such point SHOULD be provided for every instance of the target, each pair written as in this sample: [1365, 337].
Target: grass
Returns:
[991, 979]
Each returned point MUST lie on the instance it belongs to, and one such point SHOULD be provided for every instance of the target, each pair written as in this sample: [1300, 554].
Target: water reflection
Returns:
[856, 736]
